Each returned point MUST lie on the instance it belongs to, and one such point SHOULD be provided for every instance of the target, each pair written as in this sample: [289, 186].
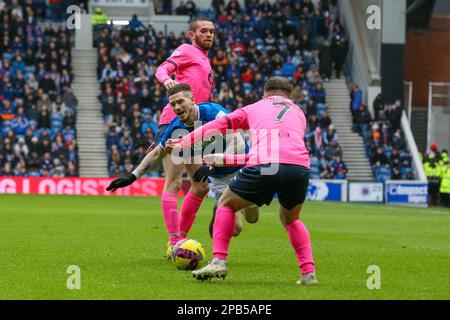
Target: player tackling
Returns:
[188, 116]
[189, 63]
[278, 162]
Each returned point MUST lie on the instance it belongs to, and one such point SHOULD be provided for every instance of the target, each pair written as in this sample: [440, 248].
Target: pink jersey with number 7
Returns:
[277, 129]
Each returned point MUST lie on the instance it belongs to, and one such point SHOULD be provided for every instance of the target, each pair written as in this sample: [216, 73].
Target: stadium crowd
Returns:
[385, 143]
[251, 44]
[37, 105]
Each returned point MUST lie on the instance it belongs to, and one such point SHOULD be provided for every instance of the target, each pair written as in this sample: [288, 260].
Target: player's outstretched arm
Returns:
[232, 121]
[234, 154]
[164, 73]
[150, 160]
[226, 159]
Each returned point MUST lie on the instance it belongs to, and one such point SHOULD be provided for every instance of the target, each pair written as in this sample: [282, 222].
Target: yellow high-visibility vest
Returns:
[445, 182]
[99, 19]
[432, 172]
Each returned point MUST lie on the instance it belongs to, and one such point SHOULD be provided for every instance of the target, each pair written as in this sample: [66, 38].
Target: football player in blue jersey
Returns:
[189, 117]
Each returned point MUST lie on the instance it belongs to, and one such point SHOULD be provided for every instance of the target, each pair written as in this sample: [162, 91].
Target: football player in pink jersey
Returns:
[278, 163]
[189, 63]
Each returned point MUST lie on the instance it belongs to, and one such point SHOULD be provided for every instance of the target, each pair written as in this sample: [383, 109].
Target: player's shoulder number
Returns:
[282, 112]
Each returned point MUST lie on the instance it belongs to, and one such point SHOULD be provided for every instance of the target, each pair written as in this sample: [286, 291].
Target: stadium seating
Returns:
[249, 47]
[385, 143]
[37, 106]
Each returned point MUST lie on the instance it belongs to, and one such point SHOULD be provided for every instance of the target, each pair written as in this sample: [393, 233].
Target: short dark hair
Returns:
[194, 22]
[179, 87]
[278, 84]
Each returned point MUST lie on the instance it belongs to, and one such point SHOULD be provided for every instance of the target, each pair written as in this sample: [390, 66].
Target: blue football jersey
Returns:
[208, 111]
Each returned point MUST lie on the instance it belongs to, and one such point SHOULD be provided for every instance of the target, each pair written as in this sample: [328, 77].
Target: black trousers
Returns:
[445, 199]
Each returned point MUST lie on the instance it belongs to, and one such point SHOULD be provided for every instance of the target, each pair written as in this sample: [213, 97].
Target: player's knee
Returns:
[287, 218]
[251, 219]
[251, 215]
[223, 201]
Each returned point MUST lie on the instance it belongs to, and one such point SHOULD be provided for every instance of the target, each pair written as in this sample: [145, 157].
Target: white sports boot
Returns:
[217, 268]
[308, 279]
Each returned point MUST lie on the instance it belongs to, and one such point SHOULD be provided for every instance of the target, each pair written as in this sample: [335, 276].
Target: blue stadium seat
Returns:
[387, 151]
[29, 70]
[7, 56]
[247, 86]
[404, 172]
[383, 174]
[321, 108]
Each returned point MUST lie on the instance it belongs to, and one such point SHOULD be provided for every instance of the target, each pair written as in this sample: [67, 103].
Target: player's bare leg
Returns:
[251, 215]
[169, 200]
[301, 242]
[192, 201]
[223, 229]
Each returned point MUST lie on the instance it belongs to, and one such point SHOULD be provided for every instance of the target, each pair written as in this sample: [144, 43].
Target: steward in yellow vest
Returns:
[433, 173]
[99, 18]
[445, 186]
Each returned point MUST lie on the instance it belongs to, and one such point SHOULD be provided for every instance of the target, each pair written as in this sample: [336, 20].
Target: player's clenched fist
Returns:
[213, 159]
[121, 182]
[169, 83]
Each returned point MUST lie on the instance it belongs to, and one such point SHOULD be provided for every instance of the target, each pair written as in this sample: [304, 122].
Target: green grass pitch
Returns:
[119, 243]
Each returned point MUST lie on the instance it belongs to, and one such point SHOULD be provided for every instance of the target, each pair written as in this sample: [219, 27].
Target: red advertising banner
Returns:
[83, 186]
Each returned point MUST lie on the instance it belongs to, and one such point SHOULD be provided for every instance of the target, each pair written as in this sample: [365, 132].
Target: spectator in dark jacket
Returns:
[326, 61]
[363, 119]
[318, 93]
[325, 122]
[333, 150]
[44, 120]
[339, 53]
[378, 106]
[339, 168]
[379, 158]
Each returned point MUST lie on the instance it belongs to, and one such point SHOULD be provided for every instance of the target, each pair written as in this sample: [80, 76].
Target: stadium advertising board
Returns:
[319, 190]
[121, 3]
[327, 190]
[365, 192]
[82, 186]
[411, 193]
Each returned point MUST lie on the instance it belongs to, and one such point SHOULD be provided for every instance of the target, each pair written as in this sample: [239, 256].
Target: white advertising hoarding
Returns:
[366, 192]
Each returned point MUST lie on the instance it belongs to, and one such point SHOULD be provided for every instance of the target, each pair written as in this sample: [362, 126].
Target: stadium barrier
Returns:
[327, 190]
[413, 193]
[410, 193]
[367, 192]
[82, 186]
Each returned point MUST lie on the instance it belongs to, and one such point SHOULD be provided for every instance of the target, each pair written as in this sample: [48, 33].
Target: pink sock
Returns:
[223, 231]
[301, 242]
[189, 209]
[169, 204]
